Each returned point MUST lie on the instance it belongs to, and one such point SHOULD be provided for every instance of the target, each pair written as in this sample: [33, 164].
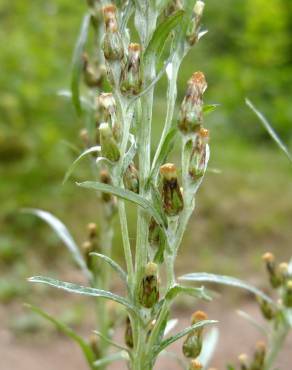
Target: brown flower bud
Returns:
[109, 147]
[131, 178]
[192, 346]
[108, 104]
[171, 193]
[87, 248]
[199, 154]
[92, 230]
[259, 357]
[267, 309]
[154, 235]
[275, 277]
[149, 289]
[131, 80]
[112, 44]
[191, 111]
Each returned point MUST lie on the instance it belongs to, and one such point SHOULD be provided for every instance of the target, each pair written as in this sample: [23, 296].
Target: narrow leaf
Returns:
[113, 264]
[269, 129]
[79, 289]
[93, 149]
[77, 62]
[111, 358]
[129, 156]
[167, 342]
[253, 321]
[89, 355]
[109, 341]
[124, 194]
[162, 32]
[193, 292]
[209, 108]
[63, 234]
[225, 280]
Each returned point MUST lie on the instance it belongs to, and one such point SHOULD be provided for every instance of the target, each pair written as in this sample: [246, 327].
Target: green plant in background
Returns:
[115, 102]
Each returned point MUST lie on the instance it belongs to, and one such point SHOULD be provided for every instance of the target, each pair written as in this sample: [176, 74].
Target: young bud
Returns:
[283, 269]
[243, 361]
[92, 76]
[198, 156]
[129, 334]
[287, 295]
[131, 178]
[92, 230]
[108, 104]
[195, 365]
[154, 234]
[171, 193]
[131, 80]
[109, 147]
[192, 346]
[112, 44]
[275, 278]
[191, 111]
[87, 248]
[94, 344]
[193, 33]
[105, 179]
[149, 289]
[267, 309]
[259, 357]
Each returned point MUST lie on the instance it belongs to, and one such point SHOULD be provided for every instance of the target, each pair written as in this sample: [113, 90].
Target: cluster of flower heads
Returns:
[123, 70]
[280, 279]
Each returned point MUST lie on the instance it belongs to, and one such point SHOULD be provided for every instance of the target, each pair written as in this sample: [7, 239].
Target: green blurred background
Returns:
[241, 212]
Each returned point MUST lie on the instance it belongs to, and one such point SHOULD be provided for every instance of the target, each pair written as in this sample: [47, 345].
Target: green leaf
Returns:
[129, 156]
[167, 342]
[110, 342]
[225, 280]
[63, 234]
[269, 129]
[124, 194]
[113, 264]
[162, 32]
[253, 321]
[93, 149]
[165, 150]
[209, 108]
[123, 355]
[174, 291]
[79, 289]
[77, 62]
[86, 349]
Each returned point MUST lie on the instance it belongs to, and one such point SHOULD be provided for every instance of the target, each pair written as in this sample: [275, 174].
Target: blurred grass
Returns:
[240, 212]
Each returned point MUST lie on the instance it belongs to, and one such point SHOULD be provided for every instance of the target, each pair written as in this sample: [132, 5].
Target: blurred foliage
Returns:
[247, 52]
